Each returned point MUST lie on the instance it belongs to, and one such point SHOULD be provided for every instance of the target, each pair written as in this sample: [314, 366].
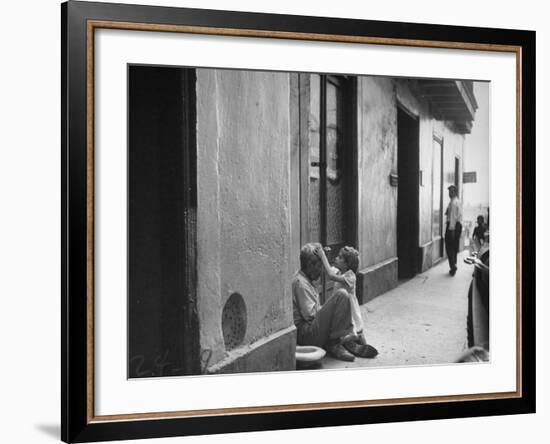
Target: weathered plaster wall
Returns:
[377, 158]
[295, 207]
[453, 146]
[243, 219]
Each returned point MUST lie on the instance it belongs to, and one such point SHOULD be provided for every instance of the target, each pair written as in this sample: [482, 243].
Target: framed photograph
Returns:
[275, 221]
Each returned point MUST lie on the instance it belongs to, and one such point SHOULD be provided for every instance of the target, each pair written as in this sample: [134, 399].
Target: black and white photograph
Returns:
[241, 221]
[293, 221]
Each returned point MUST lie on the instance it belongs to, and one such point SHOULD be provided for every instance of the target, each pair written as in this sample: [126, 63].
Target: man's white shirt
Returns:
[454, 213]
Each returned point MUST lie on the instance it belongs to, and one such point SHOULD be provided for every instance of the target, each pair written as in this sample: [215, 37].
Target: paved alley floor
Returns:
[422, 321]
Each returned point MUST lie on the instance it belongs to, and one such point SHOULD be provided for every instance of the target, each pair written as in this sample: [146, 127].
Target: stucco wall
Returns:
[453, 147]
[243, 219]
[377, 158]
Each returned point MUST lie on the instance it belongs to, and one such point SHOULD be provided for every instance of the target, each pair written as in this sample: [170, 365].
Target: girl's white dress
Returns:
[349, 285]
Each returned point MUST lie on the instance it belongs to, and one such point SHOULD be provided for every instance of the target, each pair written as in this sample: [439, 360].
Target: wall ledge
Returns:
[377, 279]
[275, 352]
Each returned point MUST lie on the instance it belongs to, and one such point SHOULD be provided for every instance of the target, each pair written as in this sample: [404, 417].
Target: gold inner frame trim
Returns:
[97, 24]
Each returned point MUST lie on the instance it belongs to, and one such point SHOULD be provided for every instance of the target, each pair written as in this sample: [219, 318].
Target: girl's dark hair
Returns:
[351, 257]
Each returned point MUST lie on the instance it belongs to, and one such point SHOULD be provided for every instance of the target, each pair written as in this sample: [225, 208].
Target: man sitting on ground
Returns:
[324, 326]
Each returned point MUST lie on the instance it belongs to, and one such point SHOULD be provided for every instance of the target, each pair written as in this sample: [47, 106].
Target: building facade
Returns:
[281, 159]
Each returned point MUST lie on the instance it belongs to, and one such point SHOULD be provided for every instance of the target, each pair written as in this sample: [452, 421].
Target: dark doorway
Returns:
[437, 198]
[162, 323]
[407, 193]
[337, 158]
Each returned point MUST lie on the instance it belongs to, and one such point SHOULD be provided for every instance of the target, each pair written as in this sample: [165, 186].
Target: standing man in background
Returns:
[454, 228]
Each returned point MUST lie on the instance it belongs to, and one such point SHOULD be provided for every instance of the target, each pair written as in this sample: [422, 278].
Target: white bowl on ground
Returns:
[308, 355]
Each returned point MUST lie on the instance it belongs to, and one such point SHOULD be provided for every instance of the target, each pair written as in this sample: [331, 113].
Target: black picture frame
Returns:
[77, 421]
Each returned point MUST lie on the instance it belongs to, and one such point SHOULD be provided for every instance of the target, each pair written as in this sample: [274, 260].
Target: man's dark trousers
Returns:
[452, 240]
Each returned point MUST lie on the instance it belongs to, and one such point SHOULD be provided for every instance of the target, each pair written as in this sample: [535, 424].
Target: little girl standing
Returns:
[344, 276]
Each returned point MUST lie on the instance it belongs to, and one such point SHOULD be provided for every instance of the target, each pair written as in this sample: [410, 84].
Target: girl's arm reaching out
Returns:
[328, 269]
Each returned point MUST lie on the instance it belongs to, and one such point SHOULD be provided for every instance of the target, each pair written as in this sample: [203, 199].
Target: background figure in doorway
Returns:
[454, 228]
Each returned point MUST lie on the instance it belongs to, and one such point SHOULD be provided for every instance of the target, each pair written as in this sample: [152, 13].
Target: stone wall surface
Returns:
[243, 220]
[377, 158]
